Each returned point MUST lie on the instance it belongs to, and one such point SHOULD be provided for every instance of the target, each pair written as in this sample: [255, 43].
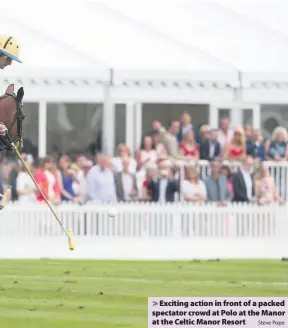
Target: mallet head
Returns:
[71, 240]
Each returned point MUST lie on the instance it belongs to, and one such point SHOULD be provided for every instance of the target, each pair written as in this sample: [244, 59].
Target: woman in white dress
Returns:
[24, 185]
[193, 189]
[146, 154]
[161, 151]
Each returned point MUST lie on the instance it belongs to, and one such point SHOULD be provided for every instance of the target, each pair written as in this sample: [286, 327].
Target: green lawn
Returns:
[82, 294]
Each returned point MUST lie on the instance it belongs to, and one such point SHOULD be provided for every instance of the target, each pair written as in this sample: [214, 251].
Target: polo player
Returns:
[9, 51]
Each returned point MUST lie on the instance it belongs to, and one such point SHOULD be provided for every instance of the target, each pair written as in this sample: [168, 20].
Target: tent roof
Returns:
[223, 30]
[151, 38]
[98, 32]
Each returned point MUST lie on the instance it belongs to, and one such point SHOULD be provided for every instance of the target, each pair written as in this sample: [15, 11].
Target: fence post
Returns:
[231, 220]
[177, 220]
[281, 229]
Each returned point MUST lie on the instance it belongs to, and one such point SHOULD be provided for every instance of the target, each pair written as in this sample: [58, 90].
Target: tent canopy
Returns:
[216, 37]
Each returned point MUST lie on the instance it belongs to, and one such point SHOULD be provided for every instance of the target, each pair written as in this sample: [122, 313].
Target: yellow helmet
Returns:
[10, 47]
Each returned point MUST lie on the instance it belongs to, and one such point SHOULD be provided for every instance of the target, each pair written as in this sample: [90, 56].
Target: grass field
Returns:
[105, 294]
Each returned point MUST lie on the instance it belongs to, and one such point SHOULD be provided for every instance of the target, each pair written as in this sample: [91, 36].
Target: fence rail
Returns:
[142, 220]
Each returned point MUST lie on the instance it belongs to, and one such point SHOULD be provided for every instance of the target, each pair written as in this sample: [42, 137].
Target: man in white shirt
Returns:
[243, 184]
[100, 182]
[125, 183]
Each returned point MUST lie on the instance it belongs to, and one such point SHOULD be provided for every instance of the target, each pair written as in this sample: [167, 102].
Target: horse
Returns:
[12, 116]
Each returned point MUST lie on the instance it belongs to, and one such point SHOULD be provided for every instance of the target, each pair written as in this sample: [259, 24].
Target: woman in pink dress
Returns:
[225, 170]
[188, 146]
[265, 188]
[235, 150]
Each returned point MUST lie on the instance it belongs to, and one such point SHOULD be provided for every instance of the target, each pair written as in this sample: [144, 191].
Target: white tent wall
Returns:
[220, 53]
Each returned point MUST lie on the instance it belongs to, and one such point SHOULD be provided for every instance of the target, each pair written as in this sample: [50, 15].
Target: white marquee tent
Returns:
[151, 39]
[186, 51]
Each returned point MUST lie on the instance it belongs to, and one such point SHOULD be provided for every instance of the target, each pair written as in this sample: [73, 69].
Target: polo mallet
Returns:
[68, 233]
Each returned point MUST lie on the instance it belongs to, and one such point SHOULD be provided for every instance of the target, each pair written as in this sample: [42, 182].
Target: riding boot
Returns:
[6, 141]
[10, 153]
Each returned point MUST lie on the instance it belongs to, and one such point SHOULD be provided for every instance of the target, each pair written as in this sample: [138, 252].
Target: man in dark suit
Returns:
[210, 148]
[163, 189]
[185, 125]
[255, 146]
[243, 182]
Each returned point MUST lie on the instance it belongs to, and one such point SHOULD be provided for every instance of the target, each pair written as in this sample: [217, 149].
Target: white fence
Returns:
[142, 220]
[278, 170]
[146, 231]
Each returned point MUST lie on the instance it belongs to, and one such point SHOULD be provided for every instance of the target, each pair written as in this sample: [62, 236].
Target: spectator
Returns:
[256, 147]
[79, 168]
[125, 183]
[226, 172]
[278, 150]
[57, 190]
[46, 178]
[248, 131]
[25, 187]
[66, 178]
[100, 181]
[163, 188]
[123, 151]
[243, 182]
[265, 189]
[225, 133]
[12, 179]
[85, 165]
[193, 189]
[169, 139]
[146, 154]
[185, 125]
[217, 185]
[161, 151]
[6, 167]
[235, 150]
[164, 166]
[210, 147]
[204, 133]
[151, 173]
[188, 146]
